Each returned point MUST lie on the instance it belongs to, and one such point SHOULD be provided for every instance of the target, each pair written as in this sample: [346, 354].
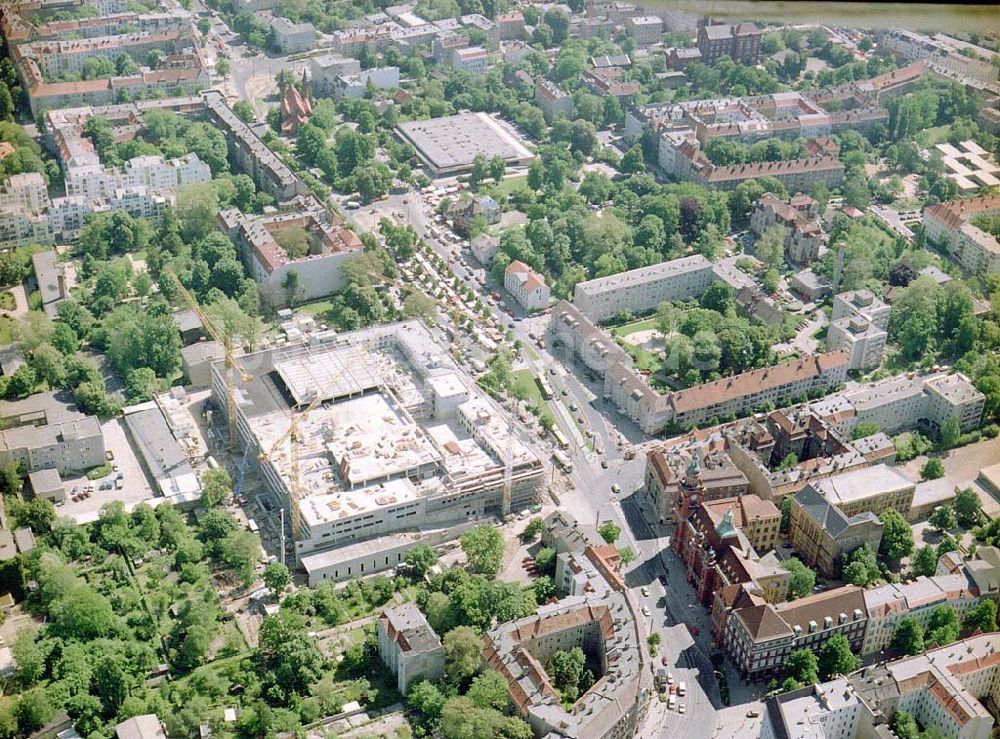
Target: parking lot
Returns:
[135, 487]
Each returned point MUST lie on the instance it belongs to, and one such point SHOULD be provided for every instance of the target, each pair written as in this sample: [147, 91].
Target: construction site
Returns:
[374, 440]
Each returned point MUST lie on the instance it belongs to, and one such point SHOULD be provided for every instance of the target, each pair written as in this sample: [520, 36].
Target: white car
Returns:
[645, 592]
[645, 610]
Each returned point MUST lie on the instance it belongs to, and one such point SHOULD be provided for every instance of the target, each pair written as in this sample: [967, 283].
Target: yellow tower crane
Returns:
[232, 367]
[292, 435]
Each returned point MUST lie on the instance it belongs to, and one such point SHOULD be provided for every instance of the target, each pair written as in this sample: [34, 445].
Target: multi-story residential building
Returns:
[759, 638]
[526, 286]
[641, 290]
[949, 224]
[943, 689]
[900, 403]
[944, 55]
[510, 25]
[740, 42]
[917, 599]
[464, 211]
[472, 59]
[877, 489]
[71, 447]
[761, 448]
[290, 38]
[357, 84]
[861, 304]
[319, 271]
[592, 572]
[644, 29]
[408, 645]
[25, 192]
[484, 247]
[562, 532]
[777, 385]
[552, 99]
[93, 181]
[630, 391]
[862, 341]
[611, 635]
[823, 535]
[326, 68]
[799, 217]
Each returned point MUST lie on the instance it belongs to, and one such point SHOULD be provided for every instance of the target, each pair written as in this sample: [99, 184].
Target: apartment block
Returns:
[949, 224]
[861, 304]
[552, 99]
[641, 290]
[526, 286]
[759, 638]
[291, 38]
[946, 689]
[859, 338]
[905, 402]
[408, 645]
[472, 59]
[70, 447]
[917, 599]
[799, 216]
[740, 42]
[644, 29]
[611, 635]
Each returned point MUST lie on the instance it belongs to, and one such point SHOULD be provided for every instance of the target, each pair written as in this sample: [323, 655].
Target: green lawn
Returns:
[646, 324]
[525, 380]
[510, 184]
[931, 136]
[6, 331]
[7, 301]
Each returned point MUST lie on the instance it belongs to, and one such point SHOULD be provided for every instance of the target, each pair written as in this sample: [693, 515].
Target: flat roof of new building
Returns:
[863, 483]
[451, 143]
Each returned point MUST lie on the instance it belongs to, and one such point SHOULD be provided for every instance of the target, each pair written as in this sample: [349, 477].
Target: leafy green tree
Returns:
[483, 547]
[545, 560]
[276, 578]
[421, 558]
[802, 578]
[241, 551]
[982, 616]
[33, 710]
[835, 657]
[904, 726]
[489, 690]
[932, 469]
[770, 247]
[566, 668]
[463, 652]
[968, 508]
[288, 661]
[426, 698]
[140, 385]
[532, 530]
[924, 561]
[942, 628]
[861, 567]
[609, 531]
[802, 667]
[943, 518]
[868, 428]
[908, 636]
[897, 536]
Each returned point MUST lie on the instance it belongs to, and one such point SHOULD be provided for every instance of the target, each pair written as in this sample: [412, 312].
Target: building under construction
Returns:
[390, 436]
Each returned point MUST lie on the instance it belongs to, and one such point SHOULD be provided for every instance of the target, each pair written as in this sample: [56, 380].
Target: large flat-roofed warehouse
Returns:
[448, 145]
[401, 441]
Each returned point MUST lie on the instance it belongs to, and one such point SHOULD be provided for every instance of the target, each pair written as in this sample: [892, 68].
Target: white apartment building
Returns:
[645, 29]
[526, 286]
[889, 604]
[863, 341]
[862, 304]
[356, 85]
[641, 290]
[472, 59]
[26, 192]
[152, 172]
[901, 403]
[292, 37]
[552, 99]
[948, 224]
